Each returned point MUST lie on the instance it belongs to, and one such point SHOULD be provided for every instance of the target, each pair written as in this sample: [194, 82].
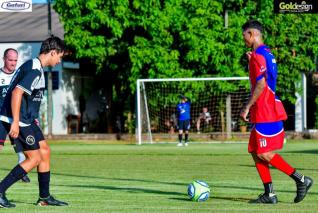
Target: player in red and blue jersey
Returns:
[267, 114]
[183, 113]
[18, 115]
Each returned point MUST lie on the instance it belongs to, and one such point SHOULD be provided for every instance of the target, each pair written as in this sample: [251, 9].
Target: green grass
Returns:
[101, 177]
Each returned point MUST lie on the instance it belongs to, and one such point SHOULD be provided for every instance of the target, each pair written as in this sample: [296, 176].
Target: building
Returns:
[25, 32]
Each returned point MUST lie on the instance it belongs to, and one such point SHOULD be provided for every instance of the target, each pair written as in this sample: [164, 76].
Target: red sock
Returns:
[279, 163]
[263, 171]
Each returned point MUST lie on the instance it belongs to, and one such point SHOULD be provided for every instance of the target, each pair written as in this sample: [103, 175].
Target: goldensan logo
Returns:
[287, 6]
[296, 7]
[16, 6]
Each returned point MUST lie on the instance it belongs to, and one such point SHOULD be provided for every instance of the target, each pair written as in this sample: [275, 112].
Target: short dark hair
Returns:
[7, 50]
[253, 24]
[52, 43]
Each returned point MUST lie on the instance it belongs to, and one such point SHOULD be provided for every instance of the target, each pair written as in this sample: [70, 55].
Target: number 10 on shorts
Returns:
[262, 142]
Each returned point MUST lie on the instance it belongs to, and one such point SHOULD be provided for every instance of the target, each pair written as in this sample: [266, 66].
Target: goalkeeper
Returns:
[183, 114]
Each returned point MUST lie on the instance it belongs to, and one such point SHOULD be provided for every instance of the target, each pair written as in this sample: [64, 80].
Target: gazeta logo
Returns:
[16, 6]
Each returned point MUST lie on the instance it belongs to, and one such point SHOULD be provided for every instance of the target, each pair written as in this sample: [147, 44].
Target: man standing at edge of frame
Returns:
[267, 114]
[18, 114]
[10, 59]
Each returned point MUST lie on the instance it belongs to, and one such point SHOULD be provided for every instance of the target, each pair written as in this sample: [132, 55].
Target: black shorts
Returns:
[184, 125]
[3, 132]
[29, 137]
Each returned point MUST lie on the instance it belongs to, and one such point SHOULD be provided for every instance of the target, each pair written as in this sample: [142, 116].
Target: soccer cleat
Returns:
[302, 189]
[186, 144]
[179, 144]
[4, 203]
[266, 199]
[25, 179]
[50, 201]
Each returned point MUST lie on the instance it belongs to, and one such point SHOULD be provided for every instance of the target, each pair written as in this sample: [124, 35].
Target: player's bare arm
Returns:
[16, 99]
[260, 85]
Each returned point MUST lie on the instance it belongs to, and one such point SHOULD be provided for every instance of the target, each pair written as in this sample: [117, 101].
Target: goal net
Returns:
[215, 107]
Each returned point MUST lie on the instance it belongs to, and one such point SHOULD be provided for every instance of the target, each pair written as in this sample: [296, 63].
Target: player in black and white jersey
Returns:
[19, 113]
[10, 59]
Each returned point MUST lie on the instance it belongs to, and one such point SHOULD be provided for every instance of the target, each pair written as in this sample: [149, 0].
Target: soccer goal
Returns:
[215, 106]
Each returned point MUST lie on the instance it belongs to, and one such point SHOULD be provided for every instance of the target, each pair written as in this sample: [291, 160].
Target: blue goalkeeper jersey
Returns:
[183, 111]
[30, 78]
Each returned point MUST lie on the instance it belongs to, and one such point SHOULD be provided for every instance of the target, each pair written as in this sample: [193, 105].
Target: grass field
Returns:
[97, 177]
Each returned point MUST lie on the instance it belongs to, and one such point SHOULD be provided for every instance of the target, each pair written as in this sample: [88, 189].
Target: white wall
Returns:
[64, 99]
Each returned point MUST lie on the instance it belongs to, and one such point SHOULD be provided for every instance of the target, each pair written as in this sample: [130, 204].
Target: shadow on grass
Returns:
[105, 178]
[126, 189]
[21, 202]
[237, 199]
[243, 200]
[311, 151]
[180, 199]
[293, 188]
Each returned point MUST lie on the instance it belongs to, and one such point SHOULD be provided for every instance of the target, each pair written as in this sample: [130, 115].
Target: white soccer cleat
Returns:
[179, 144]
[186, 144]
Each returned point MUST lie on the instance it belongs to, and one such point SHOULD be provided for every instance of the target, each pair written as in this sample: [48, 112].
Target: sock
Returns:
[44, 184]
[186, 136]
[268, 187]
[263, 171]
[180, 138]
[21, 157]
[16, 174]
[279, 163]
[298, 178]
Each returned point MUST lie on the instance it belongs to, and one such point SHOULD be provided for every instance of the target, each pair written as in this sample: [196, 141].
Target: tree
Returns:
[131, 39]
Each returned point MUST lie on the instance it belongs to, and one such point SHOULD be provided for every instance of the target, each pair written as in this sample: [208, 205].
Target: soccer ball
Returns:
[198, 191]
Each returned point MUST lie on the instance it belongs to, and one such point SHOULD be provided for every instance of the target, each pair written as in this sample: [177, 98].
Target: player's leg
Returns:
[19, 171]
[180, 127]
[21, 157]
[269, 195]
[14, 175]
[44, 175]
[303, 183]
[44, 170]
[186, 130]
[186, 138]
[262, 168]
[270, 137]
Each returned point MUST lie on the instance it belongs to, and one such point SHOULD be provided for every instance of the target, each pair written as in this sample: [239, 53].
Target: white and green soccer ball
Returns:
[198, 191]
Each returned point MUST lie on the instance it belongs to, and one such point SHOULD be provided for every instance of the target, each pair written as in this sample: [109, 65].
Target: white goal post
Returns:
[157, 98]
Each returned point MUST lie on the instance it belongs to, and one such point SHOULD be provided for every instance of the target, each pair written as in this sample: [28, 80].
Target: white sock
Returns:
[21, 157]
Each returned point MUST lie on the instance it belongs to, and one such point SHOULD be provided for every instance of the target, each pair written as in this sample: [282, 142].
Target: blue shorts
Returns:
[184, 125]
[29, 137]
